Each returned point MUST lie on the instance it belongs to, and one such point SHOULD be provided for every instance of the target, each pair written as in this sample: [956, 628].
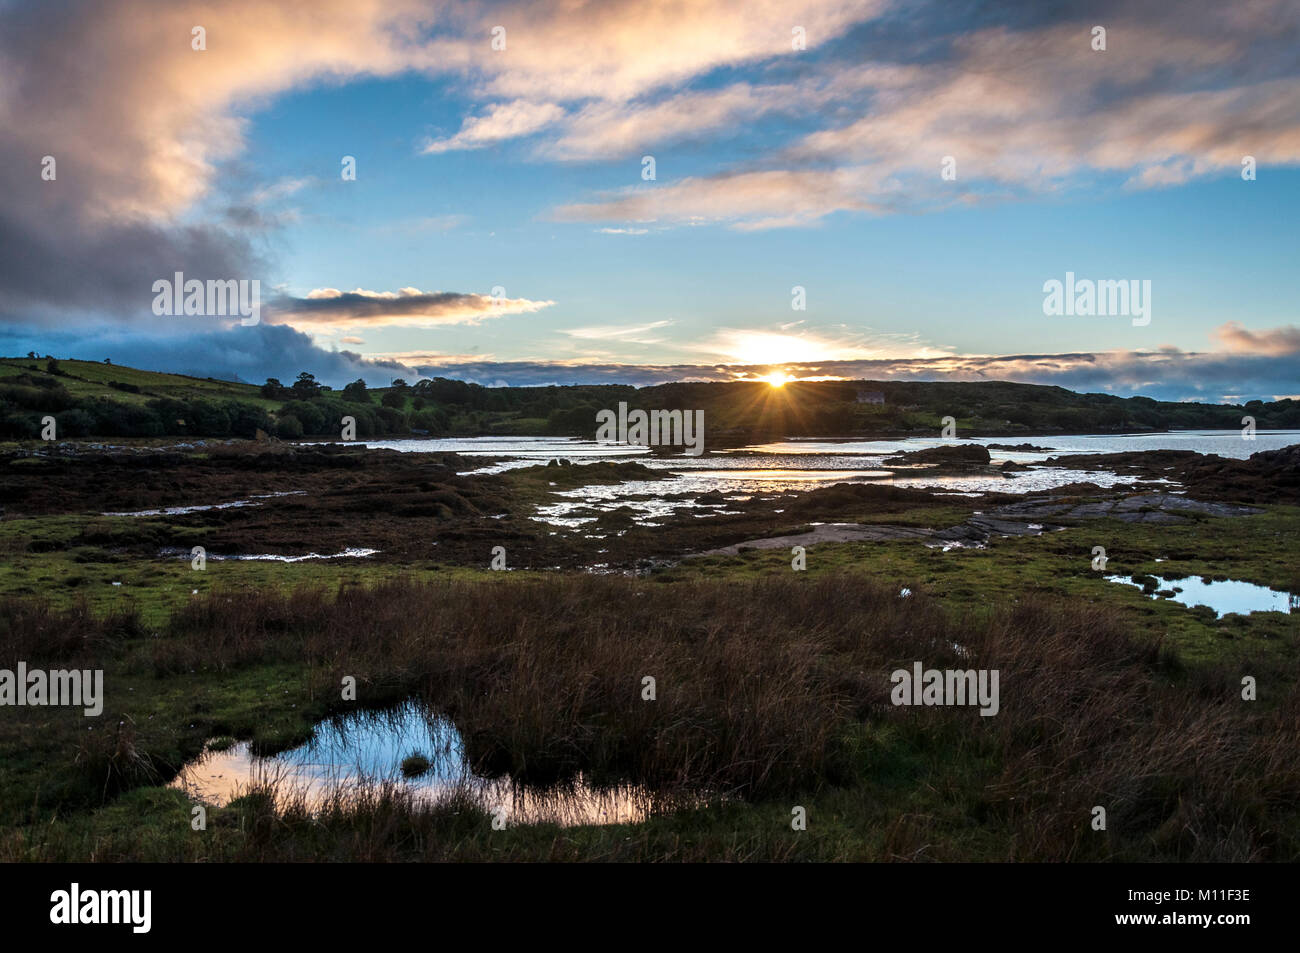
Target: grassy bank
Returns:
[772, 691]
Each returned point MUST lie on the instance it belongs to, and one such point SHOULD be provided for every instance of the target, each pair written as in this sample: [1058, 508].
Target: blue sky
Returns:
[520, 170]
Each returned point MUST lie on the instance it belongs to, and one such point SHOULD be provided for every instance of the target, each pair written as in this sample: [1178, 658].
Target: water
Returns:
[180, 510]
[789, 465]
[352, 552]
[844, 454]
[803, 464]
[354, 752]
[1225, 443]
[1224, 596]
[651, 500]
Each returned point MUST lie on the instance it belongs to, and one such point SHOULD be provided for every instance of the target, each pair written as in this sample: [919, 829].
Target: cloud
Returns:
[1168, 375]
[279, 189]
[268, 350]
[604, 130]
[751, 346]
[251, 353]
[1020, 110]
[501, 121]
[409, 307]
[747, 200]
[627, 334]
[1277, 342]
[616, 50]
[139, 124]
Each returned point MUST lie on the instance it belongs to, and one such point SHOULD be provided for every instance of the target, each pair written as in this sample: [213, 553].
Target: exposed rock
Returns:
[1269, 476]
[961, 454]
[1022, 518]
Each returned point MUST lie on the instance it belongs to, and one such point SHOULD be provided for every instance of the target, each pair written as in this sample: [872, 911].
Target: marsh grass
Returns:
[767, 691]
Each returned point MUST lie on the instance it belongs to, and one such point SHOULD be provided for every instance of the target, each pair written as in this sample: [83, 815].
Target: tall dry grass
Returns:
[762, 684]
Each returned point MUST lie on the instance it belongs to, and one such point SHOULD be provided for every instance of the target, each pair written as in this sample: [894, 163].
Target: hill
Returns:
[109, 400]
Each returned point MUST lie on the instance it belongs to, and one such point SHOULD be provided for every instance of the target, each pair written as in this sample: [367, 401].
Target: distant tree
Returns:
[274, 390]
[395, 398]
[305, 387]
[356, 392]
[52, 366]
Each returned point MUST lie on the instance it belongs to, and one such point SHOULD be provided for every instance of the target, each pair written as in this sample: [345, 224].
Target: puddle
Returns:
[349, 553]
[1223, 597]
[180, 510]
[351, 753]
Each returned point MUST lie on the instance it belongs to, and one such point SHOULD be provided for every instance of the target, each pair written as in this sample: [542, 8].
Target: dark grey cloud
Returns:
[87, 242]
[336, 308]
[236, 353]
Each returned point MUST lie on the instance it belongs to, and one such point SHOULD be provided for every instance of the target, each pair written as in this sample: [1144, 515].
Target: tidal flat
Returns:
[770, 684]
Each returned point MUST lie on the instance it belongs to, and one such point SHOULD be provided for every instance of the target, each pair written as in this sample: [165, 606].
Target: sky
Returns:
[577, 191]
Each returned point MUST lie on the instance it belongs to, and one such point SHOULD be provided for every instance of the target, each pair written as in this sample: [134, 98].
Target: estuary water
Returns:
[779, 466]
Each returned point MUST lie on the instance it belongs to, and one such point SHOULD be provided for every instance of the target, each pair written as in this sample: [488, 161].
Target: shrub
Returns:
[288, 427]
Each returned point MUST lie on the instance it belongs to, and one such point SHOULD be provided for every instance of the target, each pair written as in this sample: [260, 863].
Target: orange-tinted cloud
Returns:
[410, 307]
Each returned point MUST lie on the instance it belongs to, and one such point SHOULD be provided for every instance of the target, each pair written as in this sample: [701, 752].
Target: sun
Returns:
[777, 378]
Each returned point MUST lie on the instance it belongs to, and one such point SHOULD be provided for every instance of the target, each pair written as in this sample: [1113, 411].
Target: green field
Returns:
[90, 379]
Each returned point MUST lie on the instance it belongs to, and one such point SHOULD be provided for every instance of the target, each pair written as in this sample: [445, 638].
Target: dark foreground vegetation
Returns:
[771, 693]
[772, 686]
[104, 400]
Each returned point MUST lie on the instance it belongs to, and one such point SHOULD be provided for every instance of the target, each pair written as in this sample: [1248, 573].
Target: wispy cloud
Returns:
[1017, 110]
[626, 334]
[502, 121]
